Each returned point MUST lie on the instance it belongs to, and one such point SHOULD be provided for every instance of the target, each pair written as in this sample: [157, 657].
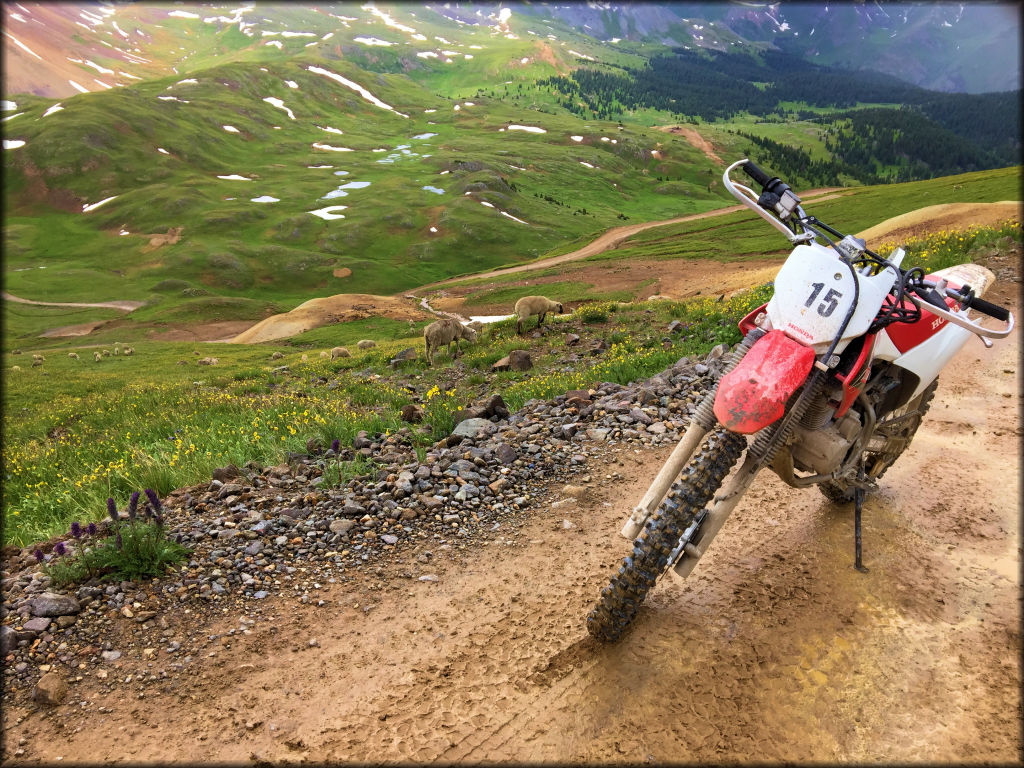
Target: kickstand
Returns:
[858, 502]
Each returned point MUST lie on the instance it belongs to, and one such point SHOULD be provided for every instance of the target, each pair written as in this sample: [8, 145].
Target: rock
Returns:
[428, 577]
[495, 406]
[50, 690]
[314, 446]
[37, 625]
[54, 604]
[567, 524]
[226, 473]
[343, 525]
[473, 427]
[9, 638]
[412, 413]
[111, 655]
[675, 326]
[407, 354]
[505, 453]
[571, 339]
[389, 538]
[229, 489]
[516, 360]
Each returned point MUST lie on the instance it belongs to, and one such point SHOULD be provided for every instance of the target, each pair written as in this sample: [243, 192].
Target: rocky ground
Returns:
[261, 531]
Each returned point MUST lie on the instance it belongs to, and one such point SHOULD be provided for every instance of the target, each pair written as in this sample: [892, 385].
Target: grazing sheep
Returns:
[276, 356]
[324, 353]
[208, 361]
[446, 331]
[476, 325]
[528, 306]
[15, 367]
[36, 363]
[38, 358]
[106, 353]
[96, 356]
[73, 355]
[366, 344]
[128, 351]
[340, 352]
[305, 358]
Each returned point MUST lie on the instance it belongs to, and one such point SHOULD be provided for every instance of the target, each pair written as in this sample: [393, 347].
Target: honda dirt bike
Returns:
[827, 388]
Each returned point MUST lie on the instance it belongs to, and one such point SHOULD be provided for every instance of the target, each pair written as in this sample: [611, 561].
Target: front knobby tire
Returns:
[892, 437]
[697, 483]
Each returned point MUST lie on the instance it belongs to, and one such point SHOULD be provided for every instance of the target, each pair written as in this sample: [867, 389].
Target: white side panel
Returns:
[929, 358]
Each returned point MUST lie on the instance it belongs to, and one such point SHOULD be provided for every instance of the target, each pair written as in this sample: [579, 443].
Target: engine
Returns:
[822, 449]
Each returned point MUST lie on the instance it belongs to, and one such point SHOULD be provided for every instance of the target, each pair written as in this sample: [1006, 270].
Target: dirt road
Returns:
[124, 306]
[775, 648]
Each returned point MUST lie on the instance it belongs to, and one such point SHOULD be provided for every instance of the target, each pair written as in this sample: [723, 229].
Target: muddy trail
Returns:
[774, 649]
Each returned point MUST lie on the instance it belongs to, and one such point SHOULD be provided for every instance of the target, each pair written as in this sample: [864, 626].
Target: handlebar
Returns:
[756, 174]
[966, 296]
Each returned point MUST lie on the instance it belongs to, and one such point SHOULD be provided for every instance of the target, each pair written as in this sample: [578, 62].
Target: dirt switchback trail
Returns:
[775, 649]
[612, 238]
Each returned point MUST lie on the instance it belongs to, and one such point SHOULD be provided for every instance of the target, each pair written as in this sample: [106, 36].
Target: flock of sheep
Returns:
[440, 333]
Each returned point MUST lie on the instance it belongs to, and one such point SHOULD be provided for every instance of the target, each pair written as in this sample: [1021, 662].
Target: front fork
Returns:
[698, 535]
[701, 423]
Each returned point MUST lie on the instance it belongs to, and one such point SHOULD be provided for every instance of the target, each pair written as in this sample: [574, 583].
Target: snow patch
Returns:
[7, 106]
[230, 129]
[162, 151]
[576, 138]
[371, 41]
[527, 128]
[280, 105]
[79, 88]
[184, 14]
[276, 43]
[87, 208]
[51, 110]
[435, 190]
[319, 145]
[588, 165]
[265, 199]
[328, 213]
[235, 177]
[355, 87]
[21, 45]
[13, 143]
[330, 130]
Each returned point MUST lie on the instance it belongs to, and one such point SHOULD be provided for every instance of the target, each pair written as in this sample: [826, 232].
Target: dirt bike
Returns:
[827, 388]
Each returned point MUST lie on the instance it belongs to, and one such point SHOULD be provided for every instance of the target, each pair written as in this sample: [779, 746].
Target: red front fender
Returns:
[754, 393]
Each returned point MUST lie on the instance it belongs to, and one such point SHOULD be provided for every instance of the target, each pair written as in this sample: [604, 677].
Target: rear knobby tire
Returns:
[892, 436]
[697, 483]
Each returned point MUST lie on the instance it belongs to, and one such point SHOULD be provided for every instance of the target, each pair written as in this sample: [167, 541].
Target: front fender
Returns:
[754, 393]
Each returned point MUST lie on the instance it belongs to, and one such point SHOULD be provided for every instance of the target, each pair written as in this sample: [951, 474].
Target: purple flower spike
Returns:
[76, 529]
[154, 500]
[112, 509]
[335, 445]
[133, 505]
[92, 529]
[118, 541]
[178, 538]
[59, 549]
[38, 555]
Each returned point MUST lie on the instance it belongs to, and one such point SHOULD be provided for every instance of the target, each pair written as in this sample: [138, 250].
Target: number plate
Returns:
[814, 291]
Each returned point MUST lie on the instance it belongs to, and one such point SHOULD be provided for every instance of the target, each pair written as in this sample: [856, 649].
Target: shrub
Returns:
[135, 549]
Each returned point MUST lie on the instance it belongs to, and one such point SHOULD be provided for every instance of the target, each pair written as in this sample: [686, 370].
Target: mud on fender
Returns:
[754, 393]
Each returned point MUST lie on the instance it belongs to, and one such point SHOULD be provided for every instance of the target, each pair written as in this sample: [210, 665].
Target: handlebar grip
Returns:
[988, 308]
[756, 174]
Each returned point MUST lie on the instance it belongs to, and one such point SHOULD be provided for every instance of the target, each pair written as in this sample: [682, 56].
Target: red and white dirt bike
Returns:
[830, 383]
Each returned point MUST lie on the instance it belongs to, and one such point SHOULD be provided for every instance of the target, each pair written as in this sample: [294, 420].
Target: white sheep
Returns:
[446, 331]
[73, 355]
[340, 352]
[366, 344]
[276, 356]
[476, 325]
[37, 358]
[96, 356]
[528, 306]
[305, 358]
[324, 353]
[15, 367]
[36, 363]
[106, 353]
[208, 361]
[128, 351]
